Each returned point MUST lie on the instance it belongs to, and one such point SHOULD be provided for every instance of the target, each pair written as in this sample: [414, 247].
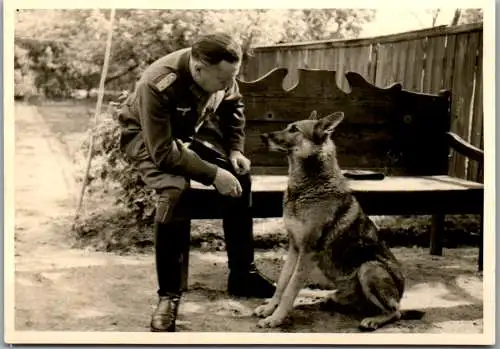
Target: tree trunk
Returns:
[456, 17]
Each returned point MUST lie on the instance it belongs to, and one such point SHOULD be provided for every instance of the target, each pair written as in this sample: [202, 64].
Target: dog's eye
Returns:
[293, 129]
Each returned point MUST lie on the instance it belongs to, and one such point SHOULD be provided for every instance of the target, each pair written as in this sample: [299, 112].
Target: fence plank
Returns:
[399, 54]
[419, 64]
[402, 49]
[474, 170]
[410, 66]
[438, 46]
[293, 75]
[372, 68]
[316, 58]
[458, 101]
[347, 67]
[363, 55]
[449, 62]
[381, 57]
[340, 66]
[466, 47]
[390, 65]
[329, 59]
[356, 61]
[428, 66]
[384, 65]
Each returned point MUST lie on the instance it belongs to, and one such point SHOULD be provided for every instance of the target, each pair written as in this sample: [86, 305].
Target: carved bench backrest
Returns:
[387, 129]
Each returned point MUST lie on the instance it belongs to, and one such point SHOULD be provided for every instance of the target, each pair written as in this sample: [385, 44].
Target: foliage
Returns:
[64, 49]
[110, 170]
[471, 15]
[57, 51]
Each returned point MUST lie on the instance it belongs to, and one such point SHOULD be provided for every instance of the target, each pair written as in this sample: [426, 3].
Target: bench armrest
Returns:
[463, 147]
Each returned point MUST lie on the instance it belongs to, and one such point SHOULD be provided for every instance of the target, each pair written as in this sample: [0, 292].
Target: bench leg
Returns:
[437, 229]
[186, 243]
[480, 255]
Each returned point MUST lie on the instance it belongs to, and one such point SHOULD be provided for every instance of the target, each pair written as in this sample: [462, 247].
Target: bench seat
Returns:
[394, 195]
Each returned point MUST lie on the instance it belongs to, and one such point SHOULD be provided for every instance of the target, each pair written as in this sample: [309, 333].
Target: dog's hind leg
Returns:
[383, 290]
[303, 266]
[286, 273]
[346, 295]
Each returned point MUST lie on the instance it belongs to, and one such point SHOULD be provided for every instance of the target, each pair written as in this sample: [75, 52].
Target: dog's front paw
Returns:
[264, 310]
[270, 322]
[368, 324]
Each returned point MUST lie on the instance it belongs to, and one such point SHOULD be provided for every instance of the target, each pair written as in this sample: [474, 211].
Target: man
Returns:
[191, 92]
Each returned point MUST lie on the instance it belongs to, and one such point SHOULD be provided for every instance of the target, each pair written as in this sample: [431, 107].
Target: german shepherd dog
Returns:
[327, 227]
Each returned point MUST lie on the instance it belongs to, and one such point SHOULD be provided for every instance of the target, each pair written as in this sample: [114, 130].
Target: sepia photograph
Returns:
[248, 176]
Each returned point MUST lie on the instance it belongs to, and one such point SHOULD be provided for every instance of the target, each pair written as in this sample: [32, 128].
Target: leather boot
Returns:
[165, 314]
[169, 241]
[244, 278]
[250, 283]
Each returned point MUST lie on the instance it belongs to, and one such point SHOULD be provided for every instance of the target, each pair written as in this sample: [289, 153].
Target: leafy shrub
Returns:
[112, 171]
[24, 85]
[24, 77]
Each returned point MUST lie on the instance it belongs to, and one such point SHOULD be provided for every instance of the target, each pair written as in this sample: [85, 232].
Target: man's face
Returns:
[217, 77]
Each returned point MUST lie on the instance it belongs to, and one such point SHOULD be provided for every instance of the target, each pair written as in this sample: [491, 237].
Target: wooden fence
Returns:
[425, 61]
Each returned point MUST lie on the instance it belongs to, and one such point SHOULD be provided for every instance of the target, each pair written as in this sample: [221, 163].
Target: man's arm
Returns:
[231, 111]
[166, 152]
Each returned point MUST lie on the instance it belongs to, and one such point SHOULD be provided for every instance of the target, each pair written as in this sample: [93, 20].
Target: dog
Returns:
[327, 227]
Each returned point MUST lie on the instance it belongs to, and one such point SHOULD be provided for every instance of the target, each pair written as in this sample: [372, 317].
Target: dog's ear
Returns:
[325, 126]
[330, 122]
[314, 115]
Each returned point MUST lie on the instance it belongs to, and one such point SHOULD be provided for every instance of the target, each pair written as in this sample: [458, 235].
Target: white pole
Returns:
[97, 112]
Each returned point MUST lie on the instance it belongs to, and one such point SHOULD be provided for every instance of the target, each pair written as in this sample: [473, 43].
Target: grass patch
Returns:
[69, 122]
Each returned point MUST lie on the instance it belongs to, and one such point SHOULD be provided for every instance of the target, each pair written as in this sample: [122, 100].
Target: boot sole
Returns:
[158, 330]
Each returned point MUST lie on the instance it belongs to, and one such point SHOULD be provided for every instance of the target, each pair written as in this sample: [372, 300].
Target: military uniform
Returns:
[158, 122]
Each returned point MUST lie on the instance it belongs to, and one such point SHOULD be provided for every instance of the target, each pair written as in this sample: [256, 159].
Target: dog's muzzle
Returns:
[270, 142]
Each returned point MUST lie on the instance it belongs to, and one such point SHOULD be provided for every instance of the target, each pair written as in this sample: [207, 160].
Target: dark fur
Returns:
[327, 227]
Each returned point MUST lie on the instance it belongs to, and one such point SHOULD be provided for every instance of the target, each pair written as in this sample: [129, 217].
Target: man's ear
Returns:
[198, 65]
[330, 122]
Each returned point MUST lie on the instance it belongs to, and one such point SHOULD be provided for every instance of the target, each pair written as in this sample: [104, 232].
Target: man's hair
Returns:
[216, 47]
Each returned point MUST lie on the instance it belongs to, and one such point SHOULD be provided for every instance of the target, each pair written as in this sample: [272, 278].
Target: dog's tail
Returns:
[411, 314]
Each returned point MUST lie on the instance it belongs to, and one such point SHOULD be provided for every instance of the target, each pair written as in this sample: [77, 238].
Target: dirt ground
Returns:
[60, 288]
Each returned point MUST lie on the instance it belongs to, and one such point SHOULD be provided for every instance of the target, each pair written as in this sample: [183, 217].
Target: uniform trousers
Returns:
[172, 219]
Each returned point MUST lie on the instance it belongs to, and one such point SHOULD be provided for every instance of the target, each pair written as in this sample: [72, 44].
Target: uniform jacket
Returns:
[164, 111]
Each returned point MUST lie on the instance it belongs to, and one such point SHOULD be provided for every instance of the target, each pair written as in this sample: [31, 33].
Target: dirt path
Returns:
[60, 288]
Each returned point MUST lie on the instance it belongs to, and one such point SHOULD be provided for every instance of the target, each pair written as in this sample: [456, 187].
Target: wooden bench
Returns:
[403, 134]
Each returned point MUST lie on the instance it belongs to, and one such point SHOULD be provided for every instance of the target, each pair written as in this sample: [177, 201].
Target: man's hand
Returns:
[241, 164]
[227, 184]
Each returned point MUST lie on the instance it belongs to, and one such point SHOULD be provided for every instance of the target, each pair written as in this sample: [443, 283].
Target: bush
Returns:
[24, 85]
[111, 171]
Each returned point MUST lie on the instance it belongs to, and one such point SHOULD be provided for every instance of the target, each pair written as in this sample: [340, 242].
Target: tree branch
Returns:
[120, 74]
[435, 17]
